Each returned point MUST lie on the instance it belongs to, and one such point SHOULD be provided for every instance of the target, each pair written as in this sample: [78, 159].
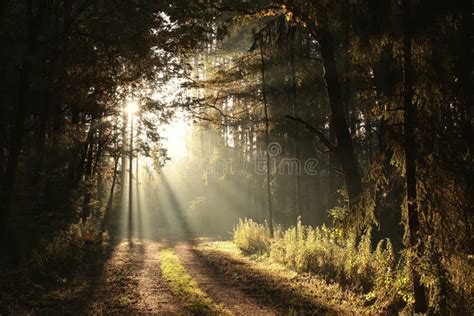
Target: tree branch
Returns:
[315, 131]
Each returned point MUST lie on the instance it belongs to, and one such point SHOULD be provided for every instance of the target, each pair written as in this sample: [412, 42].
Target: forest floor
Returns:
[181, 277]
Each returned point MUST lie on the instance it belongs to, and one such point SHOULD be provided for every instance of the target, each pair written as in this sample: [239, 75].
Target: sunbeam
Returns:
[236, 157]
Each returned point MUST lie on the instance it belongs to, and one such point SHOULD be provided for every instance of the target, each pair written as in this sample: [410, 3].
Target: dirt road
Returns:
[164, 277]
[130, 281]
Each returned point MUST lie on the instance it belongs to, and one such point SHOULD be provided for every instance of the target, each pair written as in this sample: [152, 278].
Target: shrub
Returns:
[61, 252]
[325, 251]
[65, 251]
[350, 260]
[251, 237]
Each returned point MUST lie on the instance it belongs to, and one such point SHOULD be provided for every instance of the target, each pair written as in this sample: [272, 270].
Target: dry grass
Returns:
[251, 237]
[337, 258]
[298, 293]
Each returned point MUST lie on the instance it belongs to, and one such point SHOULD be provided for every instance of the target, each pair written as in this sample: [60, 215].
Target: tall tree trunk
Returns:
[465, 73]
[267, 142]
[345, 147]
[253, 154]
[138, 209]
[88, 182]
[105, 220]
[38, 164]
[249, 158]
[14, 148]
[332, 174]
[410, 155]
[123, 163]
[130, 183]
[17, 132]
[296, 145]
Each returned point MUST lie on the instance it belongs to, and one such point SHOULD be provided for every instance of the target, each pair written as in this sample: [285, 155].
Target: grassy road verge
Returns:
[298, 293]
[186, 288]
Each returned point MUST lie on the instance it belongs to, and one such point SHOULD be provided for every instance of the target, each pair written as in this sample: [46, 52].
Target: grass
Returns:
[186, 288]
[251, 237]
[292, 291]
[349, 260]
[343, 259]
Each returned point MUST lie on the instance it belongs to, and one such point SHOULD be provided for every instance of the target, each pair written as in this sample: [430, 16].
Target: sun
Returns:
[132, 107]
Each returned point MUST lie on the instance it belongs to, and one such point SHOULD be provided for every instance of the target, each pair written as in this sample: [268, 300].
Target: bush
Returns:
[350, 260]
[327, 252]
[251, 237]
[63, 252]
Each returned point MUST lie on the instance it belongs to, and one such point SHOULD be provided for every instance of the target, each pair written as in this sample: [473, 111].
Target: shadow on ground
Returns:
[261, 286]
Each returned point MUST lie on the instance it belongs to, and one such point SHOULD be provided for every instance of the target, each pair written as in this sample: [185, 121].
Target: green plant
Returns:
[251, 237]
[345, 258]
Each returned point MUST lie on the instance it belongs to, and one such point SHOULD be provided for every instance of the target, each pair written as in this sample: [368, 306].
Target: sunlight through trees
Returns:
[275, 157]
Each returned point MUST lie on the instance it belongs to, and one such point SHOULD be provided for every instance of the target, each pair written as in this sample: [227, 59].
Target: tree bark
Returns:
[410, 156]
[465, 73]
[105, 220]
[332, 174]
[293, 94]
[123, 163]
[345, 146]
[130, 183]
[87, 181]
[267, 142]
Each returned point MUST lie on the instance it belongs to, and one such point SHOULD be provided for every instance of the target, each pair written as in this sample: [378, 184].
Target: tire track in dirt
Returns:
[218, 285]
[131, 283]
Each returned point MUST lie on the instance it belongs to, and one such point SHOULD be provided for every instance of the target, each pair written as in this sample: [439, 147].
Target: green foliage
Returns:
[66, 250]
[252, 237]
[347, 260]
[325, 251]
[350, 260]
[56, 259]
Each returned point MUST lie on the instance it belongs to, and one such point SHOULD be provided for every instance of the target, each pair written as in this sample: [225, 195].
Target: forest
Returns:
[223, 157]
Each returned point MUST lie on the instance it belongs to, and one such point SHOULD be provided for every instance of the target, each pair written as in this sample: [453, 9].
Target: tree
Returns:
[410, 154]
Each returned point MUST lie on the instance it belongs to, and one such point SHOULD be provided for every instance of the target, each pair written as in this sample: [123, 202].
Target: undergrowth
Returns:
[50, 266]
[339, 258]
[252, 237]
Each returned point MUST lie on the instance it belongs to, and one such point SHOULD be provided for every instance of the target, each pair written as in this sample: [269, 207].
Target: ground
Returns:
[184, 277]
